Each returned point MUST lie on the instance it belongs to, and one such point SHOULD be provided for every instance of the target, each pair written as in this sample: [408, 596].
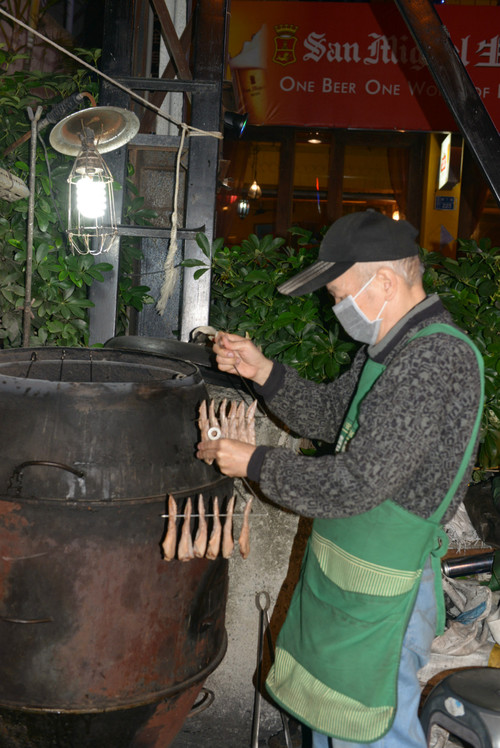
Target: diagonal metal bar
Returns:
[171, 39]
[148, 120]
[456, 87]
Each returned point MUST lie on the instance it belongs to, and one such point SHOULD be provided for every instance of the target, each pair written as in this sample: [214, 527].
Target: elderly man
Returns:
[404, 423]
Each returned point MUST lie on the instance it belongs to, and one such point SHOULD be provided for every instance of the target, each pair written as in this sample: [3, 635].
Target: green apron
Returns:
[337, 655]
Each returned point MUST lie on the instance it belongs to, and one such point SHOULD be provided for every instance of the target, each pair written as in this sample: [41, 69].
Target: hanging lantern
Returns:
[254, 191]
[91, 206]
[243, 207]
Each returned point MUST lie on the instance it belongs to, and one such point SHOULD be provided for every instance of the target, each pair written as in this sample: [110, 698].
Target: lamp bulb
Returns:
[91, 197]
[254, 191]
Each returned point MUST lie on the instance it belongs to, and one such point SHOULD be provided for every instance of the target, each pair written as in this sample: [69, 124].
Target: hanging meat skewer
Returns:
[244, 539]
[203, 420]
[200, 541]
[241, 429]
[170, 541]
[227, 534]
[204, 425]
[224, 425]
[215, 536]
[185, 551]
[232, 425]
[250, 422]
[235, 424]
[212, 418]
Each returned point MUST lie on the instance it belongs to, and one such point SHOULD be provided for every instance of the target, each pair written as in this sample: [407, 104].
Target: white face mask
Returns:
[354, 320]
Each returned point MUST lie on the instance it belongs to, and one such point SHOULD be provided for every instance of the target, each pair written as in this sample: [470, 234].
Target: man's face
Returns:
[349, 284]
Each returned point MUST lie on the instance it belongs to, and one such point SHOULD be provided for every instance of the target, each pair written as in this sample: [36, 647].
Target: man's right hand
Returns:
[234, 351]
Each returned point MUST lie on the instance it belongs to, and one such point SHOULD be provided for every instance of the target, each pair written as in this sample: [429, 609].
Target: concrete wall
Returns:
[277, 540]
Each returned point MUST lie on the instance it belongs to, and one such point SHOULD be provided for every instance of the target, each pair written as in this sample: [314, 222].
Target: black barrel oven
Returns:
[102, 643]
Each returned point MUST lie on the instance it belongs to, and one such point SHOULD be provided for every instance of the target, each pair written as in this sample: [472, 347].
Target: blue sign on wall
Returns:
[444, 202]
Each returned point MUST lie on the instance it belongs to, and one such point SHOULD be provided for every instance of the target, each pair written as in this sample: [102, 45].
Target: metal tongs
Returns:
[263, 602]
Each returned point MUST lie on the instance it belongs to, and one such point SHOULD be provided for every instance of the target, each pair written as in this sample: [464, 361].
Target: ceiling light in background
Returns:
[254, 191]
[314, 138]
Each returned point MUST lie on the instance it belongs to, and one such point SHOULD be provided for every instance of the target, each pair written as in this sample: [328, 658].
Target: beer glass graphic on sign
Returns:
[248, 69]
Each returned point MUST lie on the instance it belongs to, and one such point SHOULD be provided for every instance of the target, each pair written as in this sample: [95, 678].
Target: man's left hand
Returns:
[231, 456]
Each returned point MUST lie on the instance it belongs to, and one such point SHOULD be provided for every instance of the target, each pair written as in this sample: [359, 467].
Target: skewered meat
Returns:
[227, 534]
[212, 418]
[170, 540]
[240, 423]
[232, 422]
[250, 422]
[224, 426]
[235, 424]
[215, 536]
[185, 551]
[204, 425]
[200, 541]
[244, 539]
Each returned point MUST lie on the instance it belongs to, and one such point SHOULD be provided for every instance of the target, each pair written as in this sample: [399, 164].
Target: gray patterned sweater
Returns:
[414, 426]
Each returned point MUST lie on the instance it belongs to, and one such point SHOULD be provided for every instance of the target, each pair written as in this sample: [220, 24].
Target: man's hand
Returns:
[233, 350]
[231, 456]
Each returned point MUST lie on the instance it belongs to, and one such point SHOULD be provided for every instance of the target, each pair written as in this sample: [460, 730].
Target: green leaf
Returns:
[198, 273]
[203, 243]
[42, 251]
[273, 349]
[193, 263]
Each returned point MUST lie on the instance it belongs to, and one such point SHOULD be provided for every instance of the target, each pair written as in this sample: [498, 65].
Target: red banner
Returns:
[353, 64]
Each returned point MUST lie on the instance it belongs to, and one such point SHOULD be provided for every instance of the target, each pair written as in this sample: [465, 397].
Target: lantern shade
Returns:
[111, 128]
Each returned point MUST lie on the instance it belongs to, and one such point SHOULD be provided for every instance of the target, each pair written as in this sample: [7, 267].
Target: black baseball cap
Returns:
[365, 236]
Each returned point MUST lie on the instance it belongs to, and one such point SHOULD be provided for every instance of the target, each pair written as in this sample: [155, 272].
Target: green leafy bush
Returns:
[470, 289]
[302, 332]
[60, 280]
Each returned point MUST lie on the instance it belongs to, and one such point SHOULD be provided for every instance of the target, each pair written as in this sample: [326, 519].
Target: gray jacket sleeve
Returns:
[312, 410]
[414, 426]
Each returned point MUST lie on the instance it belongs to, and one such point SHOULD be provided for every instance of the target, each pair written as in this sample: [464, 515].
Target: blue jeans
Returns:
[406, 731]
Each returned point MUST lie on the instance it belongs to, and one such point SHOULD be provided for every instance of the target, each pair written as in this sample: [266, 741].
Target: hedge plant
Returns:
[302, 332]
[470, 289]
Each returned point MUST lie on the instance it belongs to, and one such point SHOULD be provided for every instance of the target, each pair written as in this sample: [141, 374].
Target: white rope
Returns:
[191, 130]
[169, 269]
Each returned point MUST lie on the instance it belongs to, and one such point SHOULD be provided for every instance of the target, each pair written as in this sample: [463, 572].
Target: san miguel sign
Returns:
[353, 64]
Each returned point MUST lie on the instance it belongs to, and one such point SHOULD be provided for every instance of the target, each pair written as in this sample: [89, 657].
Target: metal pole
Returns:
[456, 87]
[31, 218]
[210, 33]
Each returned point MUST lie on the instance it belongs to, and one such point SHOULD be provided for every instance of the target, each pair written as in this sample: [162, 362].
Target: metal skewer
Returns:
[263, 602]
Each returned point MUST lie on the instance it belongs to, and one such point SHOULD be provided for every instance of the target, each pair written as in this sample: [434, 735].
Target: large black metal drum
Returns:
[102, 642]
